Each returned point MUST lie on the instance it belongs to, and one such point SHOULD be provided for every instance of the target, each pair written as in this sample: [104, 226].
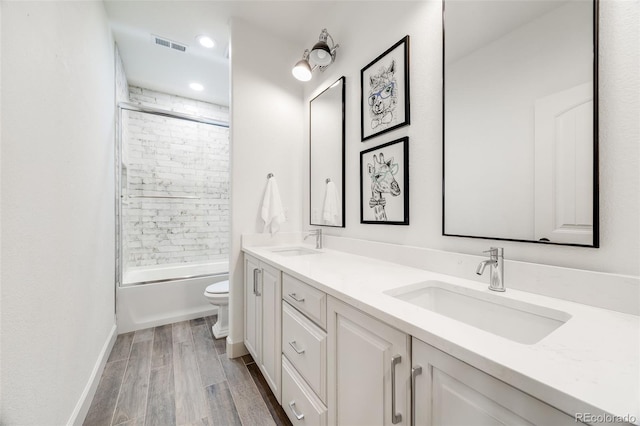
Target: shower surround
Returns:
[174, 210]
[186, 166]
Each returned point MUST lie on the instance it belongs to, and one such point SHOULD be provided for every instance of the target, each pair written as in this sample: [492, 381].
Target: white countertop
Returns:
[590, 364]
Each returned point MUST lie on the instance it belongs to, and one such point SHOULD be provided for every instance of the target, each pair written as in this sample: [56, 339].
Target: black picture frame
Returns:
[384, 92]
[378, 168]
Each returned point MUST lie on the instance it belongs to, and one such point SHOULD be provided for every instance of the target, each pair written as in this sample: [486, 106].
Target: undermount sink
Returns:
[294, 251]
[515, 320]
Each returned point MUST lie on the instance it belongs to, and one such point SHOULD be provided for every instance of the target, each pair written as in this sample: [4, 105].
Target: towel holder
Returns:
[327, 180]
[270, 175]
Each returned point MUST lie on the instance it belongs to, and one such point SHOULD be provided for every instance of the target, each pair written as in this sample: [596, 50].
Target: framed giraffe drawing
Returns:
[384, 183]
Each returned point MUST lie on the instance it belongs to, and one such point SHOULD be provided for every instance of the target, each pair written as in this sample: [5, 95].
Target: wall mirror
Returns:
[326, 156]
[521, 121]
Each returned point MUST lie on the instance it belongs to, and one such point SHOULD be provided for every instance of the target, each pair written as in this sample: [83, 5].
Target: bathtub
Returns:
[149, 297]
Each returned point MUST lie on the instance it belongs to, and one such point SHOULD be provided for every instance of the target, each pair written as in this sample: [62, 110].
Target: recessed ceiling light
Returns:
[206, 41]
[197, 87]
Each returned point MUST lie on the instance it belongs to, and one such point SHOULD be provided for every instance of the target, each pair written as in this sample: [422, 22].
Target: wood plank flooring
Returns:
[178, 374]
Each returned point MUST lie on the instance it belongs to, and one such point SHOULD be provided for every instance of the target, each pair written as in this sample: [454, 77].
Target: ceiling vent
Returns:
[165, 42]
[178, 47]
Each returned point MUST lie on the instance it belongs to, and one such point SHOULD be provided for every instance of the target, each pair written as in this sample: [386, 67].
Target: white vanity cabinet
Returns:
[447, 391]
[336, 352]
[369, 366]
[262, 323]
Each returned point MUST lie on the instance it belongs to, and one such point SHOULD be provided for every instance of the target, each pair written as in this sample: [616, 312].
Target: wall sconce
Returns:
[321, 56]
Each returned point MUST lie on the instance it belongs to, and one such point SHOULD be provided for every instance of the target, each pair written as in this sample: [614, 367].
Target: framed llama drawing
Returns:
[384, 91]
[384, 183]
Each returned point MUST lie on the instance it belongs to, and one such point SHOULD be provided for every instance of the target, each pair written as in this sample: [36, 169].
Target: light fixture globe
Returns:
[321, 54]
[302, 70]
[320, 57]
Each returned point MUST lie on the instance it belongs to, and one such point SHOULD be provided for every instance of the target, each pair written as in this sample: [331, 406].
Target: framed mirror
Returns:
[326, 156]
[520, 123]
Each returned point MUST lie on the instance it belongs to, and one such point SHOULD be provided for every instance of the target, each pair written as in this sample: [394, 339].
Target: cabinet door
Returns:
[252, 307]
[271, 301]
[364, 355]
[451, 392]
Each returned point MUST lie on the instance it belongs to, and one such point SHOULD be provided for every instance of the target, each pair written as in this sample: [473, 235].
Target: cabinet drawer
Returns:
[312, 302]
[305, 345]
[299, 402]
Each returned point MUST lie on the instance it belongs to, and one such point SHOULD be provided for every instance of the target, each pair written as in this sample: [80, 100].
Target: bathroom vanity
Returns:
[262, 318]
[344, 339]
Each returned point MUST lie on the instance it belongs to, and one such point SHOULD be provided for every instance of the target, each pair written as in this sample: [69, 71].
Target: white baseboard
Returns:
[236, 349]
[82, 407]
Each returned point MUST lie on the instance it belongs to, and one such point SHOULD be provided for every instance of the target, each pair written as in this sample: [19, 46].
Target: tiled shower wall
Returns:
[169, 158]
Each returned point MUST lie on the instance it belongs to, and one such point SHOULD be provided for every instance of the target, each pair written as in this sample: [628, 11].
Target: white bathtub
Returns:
[166, 295]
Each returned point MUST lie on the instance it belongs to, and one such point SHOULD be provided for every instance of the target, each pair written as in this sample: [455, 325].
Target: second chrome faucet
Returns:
[496, 261]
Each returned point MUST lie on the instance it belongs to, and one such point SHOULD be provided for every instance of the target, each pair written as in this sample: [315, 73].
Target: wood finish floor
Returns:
[178, 374]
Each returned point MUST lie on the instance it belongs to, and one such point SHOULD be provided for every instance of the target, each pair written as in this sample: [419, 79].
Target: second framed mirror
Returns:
[326, 156]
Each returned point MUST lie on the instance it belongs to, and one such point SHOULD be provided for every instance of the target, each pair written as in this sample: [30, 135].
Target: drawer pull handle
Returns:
[295, 348]
[395, 417]
[292, 405]
[415, 371]
[294, 297]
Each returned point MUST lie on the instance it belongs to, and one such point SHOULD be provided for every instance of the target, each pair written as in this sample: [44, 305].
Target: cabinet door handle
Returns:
[292, 405]
[415, 371]
[294, 297]
[295, 348]
[256, 271]
[395, 417]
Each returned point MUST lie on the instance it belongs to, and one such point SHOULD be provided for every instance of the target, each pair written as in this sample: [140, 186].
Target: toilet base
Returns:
[221, 328]
[218, 332]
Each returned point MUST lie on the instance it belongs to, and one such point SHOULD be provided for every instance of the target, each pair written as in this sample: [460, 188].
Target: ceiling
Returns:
[148, 65]
[134, 23]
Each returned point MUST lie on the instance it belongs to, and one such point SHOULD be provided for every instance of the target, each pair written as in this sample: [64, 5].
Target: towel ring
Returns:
[270, 175]
[328, 180]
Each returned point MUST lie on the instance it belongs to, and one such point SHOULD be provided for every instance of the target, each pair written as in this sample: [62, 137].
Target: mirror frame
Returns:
[342, 80]
[596, 187]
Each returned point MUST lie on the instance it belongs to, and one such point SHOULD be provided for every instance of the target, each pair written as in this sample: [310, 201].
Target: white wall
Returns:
[361, 42]
[57, 206]
[267, 136]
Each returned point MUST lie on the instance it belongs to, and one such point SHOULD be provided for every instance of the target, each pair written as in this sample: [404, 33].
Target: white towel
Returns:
[330, 213]
[272, 210]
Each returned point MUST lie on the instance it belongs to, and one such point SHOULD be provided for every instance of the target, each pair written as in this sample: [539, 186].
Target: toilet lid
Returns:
[218, 288]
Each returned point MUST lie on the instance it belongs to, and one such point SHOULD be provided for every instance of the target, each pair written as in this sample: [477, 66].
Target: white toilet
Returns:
[218, 295]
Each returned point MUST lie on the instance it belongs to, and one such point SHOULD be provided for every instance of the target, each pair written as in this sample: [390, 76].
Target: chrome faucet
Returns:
[496, 260]
[318, 235]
